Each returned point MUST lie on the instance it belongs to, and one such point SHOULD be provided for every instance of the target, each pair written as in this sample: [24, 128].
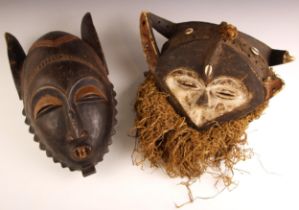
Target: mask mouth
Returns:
[81, 152]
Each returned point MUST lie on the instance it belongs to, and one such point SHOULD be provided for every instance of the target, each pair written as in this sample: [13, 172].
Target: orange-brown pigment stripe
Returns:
[53, 43]
[45, 101]
[90, 90]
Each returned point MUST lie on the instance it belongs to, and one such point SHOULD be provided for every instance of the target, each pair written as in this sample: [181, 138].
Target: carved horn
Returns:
[148, 21]
[89, 35]
[16, 56]
[279, 57]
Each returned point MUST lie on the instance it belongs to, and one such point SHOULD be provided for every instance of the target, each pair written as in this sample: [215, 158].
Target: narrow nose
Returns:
[75, 129]
[203, 99]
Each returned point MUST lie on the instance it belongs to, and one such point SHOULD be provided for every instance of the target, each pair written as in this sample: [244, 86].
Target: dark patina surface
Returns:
[211, 51]
[68, 100]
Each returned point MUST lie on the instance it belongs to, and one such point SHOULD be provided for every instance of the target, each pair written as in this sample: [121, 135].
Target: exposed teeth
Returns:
[81, 152]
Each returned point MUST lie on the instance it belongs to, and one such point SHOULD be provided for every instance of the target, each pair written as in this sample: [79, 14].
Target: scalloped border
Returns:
[109, 142]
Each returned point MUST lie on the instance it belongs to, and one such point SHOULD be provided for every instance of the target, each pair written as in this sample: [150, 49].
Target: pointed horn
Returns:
[163, 26]
[148, 21]
[287, 57]
[89, 35]
[280, 57]
[16, 56]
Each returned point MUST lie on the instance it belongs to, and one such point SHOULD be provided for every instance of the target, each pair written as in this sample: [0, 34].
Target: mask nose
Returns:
[75, 128]
[203, 99]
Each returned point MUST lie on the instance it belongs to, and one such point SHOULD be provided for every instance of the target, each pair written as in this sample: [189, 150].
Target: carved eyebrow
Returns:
[57, 58]
[53, 42]
[45, 101]
[89, 90]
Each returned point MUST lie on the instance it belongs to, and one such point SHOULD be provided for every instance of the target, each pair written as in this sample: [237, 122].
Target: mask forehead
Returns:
[188, 55]
[63, 75]
[58, 47]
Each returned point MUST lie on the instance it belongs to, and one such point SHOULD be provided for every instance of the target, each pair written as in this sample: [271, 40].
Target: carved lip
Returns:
[81, 152]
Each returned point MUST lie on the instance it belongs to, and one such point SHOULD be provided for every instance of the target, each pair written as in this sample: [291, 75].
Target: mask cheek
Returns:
[187, 98]
[51, 131]
[191, 98]
[95, 120]
[189, 102]
[220, 108]
[216, 109]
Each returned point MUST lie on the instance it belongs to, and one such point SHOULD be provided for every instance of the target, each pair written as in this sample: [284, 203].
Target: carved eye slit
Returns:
[229, 89]
[226, 94]
[90, 93]
[185, 79]
[184, 83]
[46, 104]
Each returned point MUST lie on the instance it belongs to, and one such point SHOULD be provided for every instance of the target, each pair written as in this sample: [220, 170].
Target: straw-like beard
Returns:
[166, 140]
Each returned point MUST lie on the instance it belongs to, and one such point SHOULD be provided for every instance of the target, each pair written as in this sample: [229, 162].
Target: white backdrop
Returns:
[30, 180]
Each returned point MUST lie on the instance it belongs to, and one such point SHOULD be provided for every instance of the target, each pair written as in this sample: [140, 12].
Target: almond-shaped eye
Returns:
[226, 94]
[228, 88]
[89, 93]
[185, 79]
[187, 82]
[45, 105]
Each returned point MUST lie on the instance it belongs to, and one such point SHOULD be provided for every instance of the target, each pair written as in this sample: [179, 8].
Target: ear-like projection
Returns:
[148, 21]
[89, 35]
[69, 102]
[16, 56]
[200, 94]
[279, 57]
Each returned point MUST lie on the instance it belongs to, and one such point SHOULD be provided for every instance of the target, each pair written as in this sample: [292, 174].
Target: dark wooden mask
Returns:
[213, 73]
[68, 100]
